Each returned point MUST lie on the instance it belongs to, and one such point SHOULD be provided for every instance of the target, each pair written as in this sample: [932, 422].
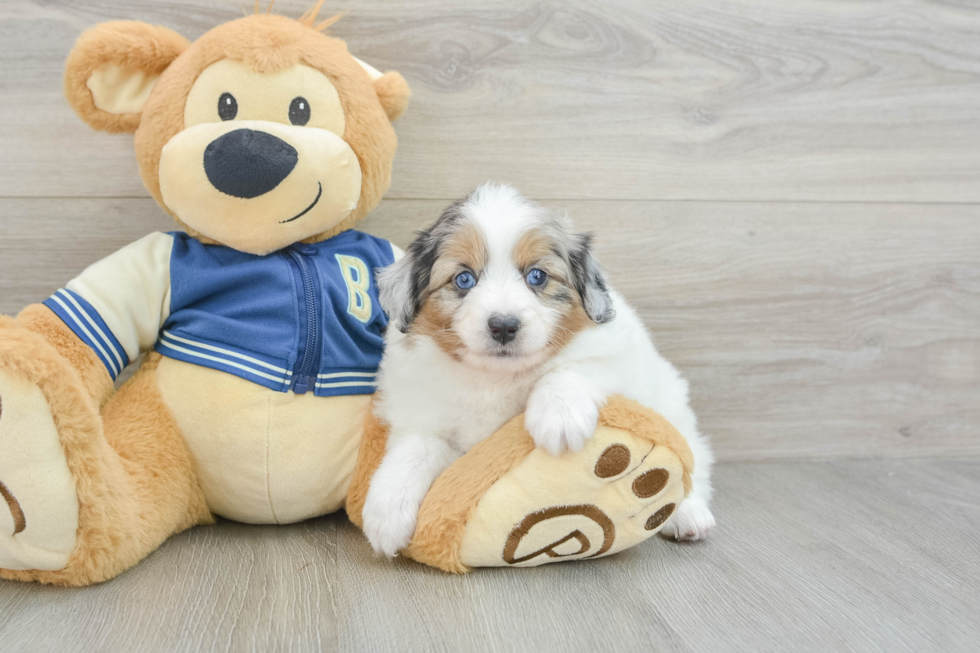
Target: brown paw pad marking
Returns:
[540, 518]
[657, 519]
[613, 461]
[616, 459]
[650, 483]
[20, 523]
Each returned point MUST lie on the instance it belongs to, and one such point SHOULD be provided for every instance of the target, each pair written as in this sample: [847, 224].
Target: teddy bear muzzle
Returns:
[258, 186]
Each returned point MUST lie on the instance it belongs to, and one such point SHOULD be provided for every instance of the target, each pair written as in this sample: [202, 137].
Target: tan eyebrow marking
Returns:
[532, 247]
[466, 246]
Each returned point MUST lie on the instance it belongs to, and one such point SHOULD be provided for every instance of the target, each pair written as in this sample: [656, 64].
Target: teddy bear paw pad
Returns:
[619, 490]
[38, 503]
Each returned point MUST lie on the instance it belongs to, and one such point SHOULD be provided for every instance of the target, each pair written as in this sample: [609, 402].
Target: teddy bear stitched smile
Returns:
[275, 138]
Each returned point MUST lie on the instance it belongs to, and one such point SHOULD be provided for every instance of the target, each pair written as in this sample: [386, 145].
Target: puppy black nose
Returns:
[503, 328]
[246, 163]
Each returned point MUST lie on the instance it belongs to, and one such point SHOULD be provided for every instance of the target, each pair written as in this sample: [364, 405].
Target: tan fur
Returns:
[451, 500]
[264, 43]
[133, 477]
[536, 249]
[129, 44]
[628, 415]
[454, 496]
[94, 377]
[393, 91]
[573, 320]
[465, 248]
[436, 321]
[269, 43]
[309, 16]
[369, 457]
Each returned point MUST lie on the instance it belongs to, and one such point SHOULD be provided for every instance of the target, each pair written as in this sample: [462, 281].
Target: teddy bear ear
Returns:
[392, 90]
[112, 69]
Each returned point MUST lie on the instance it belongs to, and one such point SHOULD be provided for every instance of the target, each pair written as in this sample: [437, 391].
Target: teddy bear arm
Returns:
[94, 376]
[109, 314]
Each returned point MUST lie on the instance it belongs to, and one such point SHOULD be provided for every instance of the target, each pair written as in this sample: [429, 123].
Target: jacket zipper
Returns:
[303, 378]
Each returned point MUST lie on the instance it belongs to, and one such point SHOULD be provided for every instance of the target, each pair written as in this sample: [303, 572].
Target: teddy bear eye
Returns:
[299, 111]
[227, 106]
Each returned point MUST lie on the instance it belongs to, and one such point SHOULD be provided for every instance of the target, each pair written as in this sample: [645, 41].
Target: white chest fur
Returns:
[432, 394]
[481, 410]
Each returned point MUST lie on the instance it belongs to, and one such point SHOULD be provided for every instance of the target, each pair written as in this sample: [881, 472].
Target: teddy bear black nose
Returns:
[247, 163]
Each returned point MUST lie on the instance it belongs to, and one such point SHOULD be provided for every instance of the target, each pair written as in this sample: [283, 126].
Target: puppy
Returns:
[497, 309]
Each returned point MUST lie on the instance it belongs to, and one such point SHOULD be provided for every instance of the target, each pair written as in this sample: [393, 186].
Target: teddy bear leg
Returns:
[84, 493]
[506, 503]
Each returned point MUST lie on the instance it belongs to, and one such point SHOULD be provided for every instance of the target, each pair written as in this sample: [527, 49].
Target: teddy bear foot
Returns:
[38, 502]
[617, 492]
[507, 503]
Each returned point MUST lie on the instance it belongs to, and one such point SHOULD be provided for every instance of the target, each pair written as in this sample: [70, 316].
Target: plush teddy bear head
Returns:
[262, 133]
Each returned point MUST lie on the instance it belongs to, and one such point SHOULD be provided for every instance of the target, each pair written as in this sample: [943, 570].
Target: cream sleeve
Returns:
[118, 305]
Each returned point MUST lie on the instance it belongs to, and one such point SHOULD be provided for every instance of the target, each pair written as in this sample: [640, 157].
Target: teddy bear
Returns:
[260, 333]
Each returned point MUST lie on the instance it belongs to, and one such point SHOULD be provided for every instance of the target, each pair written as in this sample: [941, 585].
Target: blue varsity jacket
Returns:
[306, 318]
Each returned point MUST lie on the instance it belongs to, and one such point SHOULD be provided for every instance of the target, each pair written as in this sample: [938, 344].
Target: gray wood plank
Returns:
[856, 556]
[586, 99]
[806, 330]
[230, 588]
[810, 329]
[794, 566]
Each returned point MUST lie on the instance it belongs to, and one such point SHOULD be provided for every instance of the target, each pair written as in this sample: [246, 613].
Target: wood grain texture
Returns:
[588, 99]
[821, 292]
[856, 556]
[806, 330]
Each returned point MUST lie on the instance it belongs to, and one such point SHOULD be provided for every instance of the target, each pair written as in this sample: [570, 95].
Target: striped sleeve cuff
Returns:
[347, 380]
[88, 325]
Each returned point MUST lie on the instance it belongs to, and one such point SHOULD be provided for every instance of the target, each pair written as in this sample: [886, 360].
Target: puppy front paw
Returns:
[692, 521]
[389, 523]
[562, 413]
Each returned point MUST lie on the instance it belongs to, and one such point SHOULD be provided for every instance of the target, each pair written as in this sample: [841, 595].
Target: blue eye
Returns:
[537, 277]
[464, 280]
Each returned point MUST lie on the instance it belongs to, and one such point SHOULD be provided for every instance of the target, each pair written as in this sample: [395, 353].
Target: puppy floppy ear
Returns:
[404, 286]
[112, 69]
[589, 280]
[396, 293]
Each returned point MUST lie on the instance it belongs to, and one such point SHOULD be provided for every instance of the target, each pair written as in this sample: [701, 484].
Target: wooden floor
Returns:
[789, 191]
[796, 565]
